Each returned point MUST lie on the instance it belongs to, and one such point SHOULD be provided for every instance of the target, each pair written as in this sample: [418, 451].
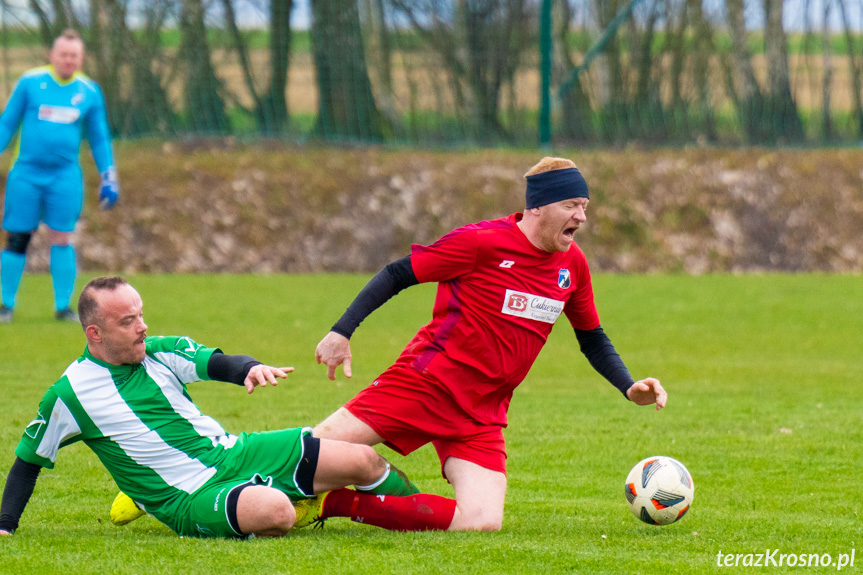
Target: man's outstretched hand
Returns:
[647, 391]
[334, 350]
[263, 374]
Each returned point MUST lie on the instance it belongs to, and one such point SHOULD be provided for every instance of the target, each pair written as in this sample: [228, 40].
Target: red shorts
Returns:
[409, 409]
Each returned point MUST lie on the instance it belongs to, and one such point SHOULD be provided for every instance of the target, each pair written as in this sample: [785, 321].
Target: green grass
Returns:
[765, 410]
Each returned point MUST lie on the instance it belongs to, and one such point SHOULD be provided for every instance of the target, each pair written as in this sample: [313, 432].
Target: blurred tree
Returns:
[781, 109]
[743, 87]
[104, 54]
[481, 43]
[54, 18]
[703, 48]
[205, 108]
[573, 100]
[146, 108]
[854, 66]
[380, 52]
[346, 105]
[647, 109]
[270, 107]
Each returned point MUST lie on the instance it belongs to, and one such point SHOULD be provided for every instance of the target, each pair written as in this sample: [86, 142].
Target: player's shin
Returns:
[419, 512]
[63, 272]
[392, 482]
[11, 270]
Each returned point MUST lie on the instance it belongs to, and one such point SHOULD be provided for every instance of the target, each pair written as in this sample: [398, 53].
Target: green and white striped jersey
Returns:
[138, 419]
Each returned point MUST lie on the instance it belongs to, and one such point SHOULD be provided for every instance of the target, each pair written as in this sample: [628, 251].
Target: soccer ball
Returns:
[659, 490]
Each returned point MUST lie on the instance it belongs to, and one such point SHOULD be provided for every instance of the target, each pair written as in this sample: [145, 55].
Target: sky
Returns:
[794, 13]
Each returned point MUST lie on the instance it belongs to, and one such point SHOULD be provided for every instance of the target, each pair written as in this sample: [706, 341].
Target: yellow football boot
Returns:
[124, 510]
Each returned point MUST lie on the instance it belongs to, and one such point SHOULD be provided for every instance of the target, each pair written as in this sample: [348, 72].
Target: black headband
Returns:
[554, 186]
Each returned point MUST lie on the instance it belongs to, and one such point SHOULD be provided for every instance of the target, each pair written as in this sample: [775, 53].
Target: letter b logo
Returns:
[517, 302]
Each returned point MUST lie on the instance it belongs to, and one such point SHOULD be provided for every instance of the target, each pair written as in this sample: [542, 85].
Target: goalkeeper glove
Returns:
[109, 189]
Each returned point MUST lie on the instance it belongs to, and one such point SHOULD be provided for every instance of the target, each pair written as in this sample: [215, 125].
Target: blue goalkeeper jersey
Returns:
[52, 115]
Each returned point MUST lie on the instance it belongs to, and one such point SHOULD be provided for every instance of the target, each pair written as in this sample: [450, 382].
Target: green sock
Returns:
[393, 482]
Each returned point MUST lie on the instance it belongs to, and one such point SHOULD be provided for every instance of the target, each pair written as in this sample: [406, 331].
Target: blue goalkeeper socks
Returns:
[11, 270]
[63, 271]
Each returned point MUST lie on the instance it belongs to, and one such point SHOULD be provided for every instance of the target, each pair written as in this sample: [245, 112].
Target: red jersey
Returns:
[497, 300]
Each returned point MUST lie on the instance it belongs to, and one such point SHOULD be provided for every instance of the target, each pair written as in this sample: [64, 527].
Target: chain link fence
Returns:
[463, 72]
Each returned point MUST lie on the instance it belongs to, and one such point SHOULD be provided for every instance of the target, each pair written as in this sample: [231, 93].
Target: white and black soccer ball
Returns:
[659, 490]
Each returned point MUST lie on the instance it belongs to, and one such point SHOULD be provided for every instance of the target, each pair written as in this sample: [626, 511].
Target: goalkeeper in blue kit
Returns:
[49, 109]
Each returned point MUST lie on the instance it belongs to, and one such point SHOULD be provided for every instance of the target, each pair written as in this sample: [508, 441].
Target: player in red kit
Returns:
[502, 284]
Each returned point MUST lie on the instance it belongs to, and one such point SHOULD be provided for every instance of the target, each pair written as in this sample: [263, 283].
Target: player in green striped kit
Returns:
[126, 398]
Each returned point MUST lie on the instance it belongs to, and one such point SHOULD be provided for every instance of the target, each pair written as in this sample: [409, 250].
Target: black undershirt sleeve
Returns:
[387, 283]
[230, 368]
[19, 487]
[599, 351]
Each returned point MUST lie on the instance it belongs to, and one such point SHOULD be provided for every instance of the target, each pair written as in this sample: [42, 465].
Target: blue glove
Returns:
[109, 189]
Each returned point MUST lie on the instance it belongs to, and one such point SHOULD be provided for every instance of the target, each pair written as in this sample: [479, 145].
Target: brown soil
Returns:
[223, 207]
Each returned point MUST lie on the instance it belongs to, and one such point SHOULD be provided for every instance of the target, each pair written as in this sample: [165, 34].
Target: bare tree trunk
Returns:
[46, 25]
[782, 109]
[274, 104]
[204, 104]
[827, 78]
[575, 105]
[490, 30]
[346, 105]
[646, 103]
[675, 36]
[147, 110]
[380, 51]
[750, 104]
[853, 64]
[615, 112]
[242, 55]
[106, 51]
[701, 69]
[481, 42]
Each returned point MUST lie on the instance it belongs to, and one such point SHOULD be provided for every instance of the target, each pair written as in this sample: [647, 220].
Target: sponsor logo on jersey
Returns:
[530, 306]
[506, 264]
[59, 114]
[563, 279]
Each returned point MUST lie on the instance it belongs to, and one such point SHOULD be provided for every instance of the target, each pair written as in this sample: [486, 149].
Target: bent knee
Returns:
[265, 511]
[284, 516]
[279, 520]
[372, 465]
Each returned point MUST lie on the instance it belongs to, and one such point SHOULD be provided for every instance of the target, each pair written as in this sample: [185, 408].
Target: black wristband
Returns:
[230, 368]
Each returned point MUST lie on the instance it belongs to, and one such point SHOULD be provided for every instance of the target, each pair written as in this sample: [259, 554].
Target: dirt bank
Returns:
[226, 207]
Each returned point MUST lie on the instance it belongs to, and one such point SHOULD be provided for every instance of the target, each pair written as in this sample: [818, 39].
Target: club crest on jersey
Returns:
[563, 279]
[77, 99]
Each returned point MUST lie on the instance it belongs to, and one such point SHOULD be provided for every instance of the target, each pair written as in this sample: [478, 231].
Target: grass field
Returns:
[765, 411]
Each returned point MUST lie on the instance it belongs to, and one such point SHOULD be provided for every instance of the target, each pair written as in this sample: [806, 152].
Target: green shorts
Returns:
[270, 458]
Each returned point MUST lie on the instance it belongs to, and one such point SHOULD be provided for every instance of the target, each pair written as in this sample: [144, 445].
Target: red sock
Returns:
[420, 512]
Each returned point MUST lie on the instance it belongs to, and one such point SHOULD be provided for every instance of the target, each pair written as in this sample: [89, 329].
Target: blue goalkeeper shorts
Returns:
[33, 194]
